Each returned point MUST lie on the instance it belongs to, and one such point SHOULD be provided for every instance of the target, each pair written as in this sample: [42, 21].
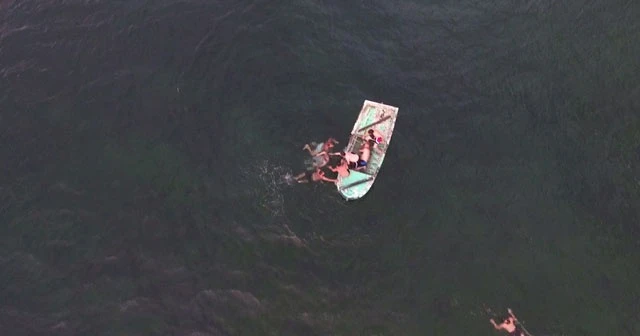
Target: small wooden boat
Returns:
[382, 119]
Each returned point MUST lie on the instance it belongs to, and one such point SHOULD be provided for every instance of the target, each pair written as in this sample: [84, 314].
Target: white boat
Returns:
[382, 119]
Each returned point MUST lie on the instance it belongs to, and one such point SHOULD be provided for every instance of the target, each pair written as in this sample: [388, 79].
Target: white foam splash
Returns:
[274, 179]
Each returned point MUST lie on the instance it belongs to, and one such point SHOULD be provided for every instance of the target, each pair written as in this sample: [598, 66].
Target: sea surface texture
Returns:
[147, 150]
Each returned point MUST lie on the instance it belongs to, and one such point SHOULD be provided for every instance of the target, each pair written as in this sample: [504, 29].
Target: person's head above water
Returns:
[507, 319]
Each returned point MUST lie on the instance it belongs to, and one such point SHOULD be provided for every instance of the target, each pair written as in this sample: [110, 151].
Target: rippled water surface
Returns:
[147, 150]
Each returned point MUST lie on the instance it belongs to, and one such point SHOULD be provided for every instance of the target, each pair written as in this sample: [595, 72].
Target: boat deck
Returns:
[382, 118]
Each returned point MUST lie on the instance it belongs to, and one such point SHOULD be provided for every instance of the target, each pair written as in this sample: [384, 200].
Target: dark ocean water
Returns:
[145, 147]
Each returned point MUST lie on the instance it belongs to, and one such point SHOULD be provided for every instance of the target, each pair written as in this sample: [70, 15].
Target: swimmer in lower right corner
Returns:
[511, 325]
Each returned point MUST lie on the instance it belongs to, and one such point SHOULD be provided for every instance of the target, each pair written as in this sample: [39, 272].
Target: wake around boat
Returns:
[376, 121]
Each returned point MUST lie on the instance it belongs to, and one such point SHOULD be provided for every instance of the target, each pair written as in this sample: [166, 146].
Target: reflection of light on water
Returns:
[270, 182]
[288, 179]
[273, 178]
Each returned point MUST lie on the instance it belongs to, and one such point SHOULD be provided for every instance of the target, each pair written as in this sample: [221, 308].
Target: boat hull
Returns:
[381, 118]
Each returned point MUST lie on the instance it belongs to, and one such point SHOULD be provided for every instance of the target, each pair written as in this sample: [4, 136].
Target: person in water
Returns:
[509, 324]
[342, 169]
[317, 161]
[313, 176]
[316, 148]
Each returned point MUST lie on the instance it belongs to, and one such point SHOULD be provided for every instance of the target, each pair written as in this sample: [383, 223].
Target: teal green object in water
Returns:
[382, 119]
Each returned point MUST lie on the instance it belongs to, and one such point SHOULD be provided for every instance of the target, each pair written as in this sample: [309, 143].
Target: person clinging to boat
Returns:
[319, 153]
[510, 324]
[316, 175]
[317, 161]
[342, 169]
[317, 148]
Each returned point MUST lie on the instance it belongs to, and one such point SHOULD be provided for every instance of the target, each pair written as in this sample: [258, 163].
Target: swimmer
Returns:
[317, 148]
[313, 176]
[509, 324]
[342, 169]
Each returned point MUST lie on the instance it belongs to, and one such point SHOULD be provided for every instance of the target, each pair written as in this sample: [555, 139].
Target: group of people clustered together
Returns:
[321, 156]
